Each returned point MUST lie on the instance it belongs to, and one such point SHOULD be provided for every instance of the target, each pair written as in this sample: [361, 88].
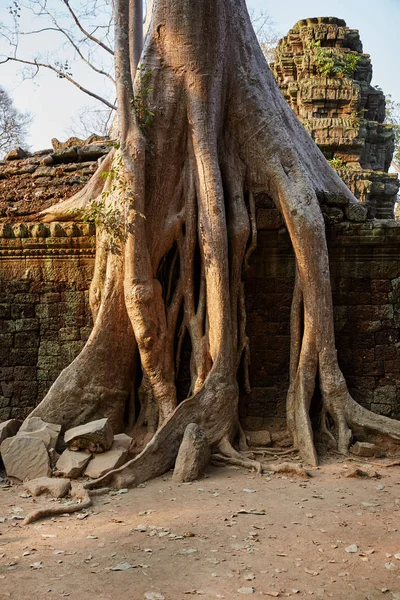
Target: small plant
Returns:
[111, 218]
[144, 112]
[330, 64]
[337, 163]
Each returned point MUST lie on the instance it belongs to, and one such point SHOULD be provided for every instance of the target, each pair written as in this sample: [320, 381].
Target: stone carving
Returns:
[339, 107]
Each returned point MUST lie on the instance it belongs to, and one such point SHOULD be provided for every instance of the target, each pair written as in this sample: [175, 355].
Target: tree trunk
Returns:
[221, 131]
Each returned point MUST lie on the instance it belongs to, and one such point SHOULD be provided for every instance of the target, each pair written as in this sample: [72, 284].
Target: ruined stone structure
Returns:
[46, 269]
[326, 78]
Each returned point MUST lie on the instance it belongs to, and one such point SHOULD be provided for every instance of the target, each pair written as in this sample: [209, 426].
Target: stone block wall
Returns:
[44, 312]
[365, 274]
[45, 272]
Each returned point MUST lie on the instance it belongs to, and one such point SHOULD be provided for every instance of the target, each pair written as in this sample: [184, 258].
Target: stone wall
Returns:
[30, 183]
[45, 272]
[365, 273]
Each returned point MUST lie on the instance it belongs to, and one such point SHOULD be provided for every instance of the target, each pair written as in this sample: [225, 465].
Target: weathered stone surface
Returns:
[363, 449]
[25, 458]
[281, 439]
[56, 488]
[112, 459]
[341, 110]
[258, 438]
[193, 456]
[72, 464]
[9, 429]
[96, 436]
[16, 153]
[121, 440]
[35, 427]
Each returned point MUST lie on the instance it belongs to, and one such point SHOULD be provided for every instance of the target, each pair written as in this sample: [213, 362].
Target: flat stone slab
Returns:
[56, 488]
[9, 429]
[25, 458]
[72, 464]
[96, 436]
[193, 456]
[106, 461]
[37, 428]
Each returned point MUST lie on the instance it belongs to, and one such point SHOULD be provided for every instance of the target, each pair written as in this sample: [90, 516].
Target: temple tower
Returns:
[326, 78]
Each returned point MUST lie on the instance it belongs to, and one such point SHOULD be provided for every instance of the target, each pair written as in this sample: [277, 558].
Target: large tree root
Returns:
[83, 499]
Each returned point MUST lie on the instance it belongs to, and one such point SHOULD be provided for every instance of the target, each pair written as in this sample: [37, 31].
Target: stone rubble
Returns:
[28, 452]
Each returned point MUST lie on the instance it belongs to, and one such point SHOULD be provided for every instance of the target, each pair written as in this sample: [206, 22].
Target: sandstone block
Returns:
[9, 429]
[121, 440]
[106, 461]
[193, 456]
[56, 488]
[258, 438]
[71, 464]
[25, 458]
[37, 428]
[96, 436]
[17, 153]
[363, 449]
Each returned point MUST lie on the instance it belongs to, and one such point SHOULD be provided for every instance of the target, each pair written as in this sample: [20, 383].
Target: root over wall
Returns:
[45, 317]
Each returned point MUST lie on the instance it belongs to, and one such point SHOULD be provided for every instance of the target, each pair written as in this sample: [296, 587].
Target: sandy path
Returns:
[196, 543]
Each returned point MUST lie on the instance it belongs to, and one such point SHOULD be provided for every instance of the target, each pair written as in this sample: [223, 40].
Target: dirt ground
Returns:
[326, 537]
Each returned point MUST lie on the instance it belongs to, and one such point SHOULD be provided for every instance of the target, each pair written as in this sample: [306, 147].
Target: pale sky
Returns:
[54, 102]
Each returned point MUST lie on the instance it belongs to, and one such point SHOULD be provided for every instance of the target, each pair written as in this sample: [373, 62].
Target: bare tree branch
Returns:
[84, 31]
[62, 75]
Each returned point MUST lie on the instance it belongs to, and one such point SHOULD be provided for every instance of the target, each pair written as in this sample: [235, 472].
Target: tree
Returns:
[201, 127]
[81, 34]
[13, 123]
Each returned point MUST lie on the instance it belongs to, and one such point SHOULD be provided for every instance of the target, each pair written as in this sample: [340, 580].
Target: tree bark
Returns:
[221, 131]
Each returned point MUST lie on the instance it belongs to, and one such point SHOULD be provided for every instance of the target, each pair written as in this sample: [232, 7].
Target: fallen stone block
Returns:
[106, 461]
[258, 438]
[363, 449]
[25, 458]
[72, 464]
[9, 429]
[122, 440]
[37, 428]
[96, 436]
[56, 488]
[193, 456]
